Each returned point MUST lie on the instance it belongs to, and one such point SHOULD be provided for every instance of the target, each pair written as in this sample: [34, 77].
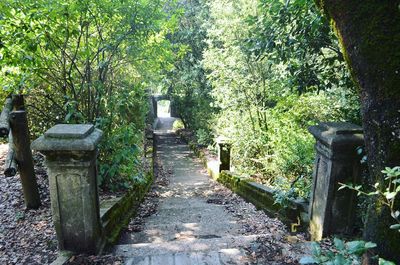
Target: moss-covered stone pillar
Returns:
[71, 152]
[154, 106]
[173, 108]
[224, 153]
[332, 210]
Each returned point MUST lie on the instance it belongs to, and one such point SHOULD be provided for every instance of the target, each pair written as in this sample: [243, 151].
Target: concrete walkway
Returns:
[186, 228]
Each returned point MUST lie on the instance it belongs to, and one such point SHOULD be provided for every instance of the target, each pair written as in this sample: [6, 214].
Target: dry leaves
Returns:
[95, 260]
[149, 206]
[26, 236]
[273, 247]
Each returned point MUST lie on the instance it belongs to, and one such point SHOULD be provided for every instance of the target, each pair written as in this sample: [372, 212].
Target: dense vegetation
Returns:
[260, 73]
[87, 62]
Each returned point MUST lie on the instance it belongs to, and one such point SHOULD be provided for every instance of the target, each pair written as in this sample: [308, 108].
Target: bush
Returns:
[121, 158]
[178, 124]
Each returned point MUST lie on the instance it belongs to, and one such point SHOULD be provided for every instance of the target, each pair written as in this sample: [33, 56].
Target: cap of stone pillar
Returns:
[334, 134]
[68, 137]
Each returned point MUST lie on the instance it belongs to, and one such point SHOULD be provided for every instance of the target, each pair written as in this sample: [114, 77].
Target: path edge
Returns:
[262, 197]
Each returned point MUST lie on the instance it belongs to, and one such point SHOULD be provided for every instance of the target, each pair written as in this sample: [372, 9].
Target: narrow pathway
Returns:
[193, 223]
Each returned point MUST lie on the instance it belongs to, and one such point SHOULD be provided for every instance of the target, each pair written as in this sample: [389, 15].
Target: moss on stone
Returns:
[118, 216]
[369, 30]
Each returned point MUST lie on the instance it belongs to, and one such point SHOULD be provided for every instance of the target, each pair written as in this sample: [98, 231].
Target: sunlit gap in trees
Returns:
[163, 108]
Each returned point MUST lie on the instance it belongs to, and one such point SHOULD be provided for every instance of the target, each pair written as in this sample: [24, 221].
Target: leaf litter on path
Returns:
[26, 236]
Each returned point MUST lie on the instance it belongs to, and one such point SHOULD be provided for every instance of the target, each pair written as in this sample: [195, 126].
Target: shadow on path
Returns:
[198, 221]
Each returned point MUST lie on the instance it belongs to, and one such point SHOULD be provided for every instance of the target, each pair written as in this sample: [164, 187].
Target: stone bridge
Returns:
[154, 99]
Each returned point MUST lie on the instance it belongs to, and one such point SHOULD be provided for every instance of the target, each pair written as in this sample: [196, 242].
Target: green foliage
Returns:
[386, 192]
[204, 137]
[178, 124]
[187, 82]
[260, 73]
[121, 163]
[88, 61]
[344, 253]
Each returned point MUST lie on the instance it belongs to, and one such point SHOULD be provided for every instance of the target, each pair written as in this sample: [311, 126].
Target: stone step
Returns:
[188, 215]
[223, 256]
[183, 202]
[185, 246]
[187, 184]
[181, 231]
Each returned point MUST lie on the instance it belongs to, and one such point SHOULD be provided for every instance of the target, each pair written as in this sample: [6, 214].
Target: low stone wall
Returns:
[263, 198]
[119, 211]
[296, 213]
[116, 213]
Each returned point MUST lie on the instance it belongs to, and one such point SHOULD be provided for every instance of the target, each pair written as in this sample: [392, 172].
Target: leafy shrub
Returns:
[260, 73]
[348, 253]
[83, 62]
[385, 191]
[204, 137]
[121, 158]
[178, 124]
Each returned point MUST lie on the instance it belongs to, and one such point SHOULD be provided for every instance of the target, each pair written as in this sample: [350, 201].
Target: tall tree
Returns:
[369, 32]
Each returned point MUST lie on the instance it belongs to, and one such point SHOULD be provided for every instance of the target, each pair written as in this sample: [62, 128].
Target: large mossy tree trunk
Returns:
[369, 33]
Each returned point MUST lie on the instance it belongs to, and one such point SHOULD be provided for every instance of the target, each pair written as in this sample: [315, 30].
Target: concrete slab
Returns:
[221, 257]
[196, 245]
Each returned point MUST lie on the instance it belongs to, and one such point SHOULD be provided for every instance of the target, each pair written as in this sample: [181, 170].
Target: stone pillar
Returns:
[173, 108]
[151, 115]
[333, 211]
[224, 153]
[154, 106]
[71, 152]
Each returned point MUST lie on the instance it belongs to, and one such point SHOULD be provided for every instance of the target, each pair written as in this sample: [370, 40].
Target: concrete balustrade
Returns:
[331, 210]
[71, 152]
[224, 153]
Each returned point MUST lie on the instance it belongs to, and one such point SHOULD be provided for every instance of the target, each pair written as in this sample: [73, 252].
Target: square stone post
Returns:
[71, 152]
[333, 211]
[224, 153]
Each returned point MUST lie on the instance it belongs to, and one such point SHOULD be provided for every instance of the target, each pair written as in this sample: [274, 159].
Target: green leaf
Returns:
[308, 260]
[339, 244]
[395, 214]
[390, 195]
[339, 260]
[356, 247]
[395, 226]
[369, 245]
[385, 262]
[316, 249]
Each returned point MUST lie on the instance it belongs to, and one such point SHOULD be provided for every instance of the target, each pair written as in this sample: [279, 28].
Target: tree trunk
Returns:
[369, 33]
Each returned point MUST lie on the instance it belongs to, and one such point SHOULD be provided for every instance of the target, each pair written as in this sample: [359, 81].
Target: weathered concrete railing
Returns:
[295, 215]
[71, 152]
[333, 211]
[330, 210]
[224, 153]
[81, 227]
